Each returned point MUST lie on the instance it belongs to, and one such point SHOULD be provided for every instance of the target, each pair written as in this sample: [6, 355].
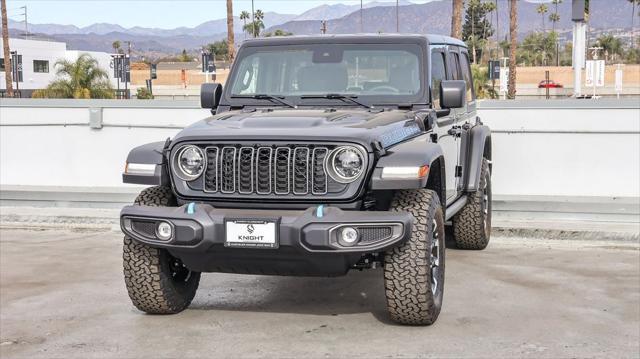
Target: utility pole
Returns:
[126, 63]
[397, 15]
[497, 31]
[361, 21]
[5, 50]
[26, 24]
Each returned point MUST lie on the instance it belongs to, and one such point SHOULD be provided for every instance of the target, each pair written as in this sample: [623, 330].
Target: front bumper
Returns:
[308, 241]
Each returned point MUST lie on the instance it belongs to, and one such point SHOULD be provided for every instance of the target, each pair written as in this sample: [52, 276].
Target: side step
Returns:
[455, 207]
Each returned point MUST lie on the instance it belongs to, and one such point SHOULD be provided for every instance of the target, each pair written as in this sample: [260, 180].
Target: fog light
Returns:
[349, 236]
[164, 231]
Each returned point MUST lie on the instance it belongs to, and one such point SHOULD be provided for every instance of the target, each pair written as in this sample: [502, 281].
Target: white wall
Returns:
[562, 147]
[565, 151]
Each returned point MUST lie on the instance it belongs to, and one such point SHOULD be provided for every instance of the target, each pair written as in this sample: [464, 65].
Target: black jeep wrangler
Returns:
[323, 154]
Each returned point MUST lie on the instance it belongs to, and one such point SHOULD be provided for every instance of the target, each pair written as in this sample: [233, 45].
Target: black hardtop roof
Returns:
[353, 39]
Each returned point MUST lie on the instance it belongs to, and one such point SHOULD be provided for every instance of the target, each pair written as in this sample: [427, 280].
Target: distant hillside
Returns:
[435, 17]
[335, 11]
[204, 29]
[432, 17]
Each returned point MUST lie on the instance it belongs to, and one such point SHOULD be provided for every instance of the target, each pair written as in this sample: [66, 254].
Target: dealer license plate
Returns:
[251, 234]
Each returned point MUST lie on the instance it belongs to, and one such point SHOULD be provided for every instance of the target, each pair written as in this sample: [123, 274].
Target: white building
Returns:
[38, 62]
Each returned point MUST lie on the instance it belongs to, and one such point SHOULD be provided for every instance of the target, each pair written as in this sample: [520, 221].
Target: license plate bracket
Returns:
[259, 233]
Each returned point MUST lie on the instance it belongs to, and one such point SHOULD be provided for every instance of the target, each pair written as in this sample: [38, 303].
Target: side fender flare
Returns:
[480, 139]
[413, 153]
[153, 170]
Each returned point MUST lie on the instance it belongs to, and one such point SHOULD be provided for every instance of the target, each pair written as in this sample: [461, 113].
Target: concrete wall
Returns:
[542, 148]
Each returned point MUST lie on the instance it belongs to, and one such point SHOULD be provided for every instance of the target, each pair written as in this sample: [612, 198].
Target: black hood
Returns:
[314, 125]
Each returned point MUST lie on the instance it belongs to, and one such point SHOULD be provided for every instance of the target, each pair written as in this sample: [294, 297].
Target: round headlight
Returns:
[346, 164]
[190, 163]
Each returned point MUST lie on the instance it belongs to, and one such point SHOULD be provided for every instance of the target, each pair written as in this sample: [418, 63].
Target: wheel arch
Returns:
[480, 146]
[148, 154]
[417, 152]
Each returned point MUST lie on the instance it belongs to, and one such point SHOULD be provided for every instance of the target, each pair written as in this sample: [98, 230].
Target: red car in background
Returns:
[549, 84]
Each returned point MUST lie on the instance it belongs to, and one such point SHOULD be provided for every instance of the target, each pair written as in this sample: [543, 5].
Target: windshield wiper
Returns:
[337, 96]
[278, 99]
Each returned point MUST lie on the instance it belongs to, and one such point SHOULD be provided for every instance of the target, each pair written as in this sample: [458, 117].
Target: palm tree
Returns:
[633, 11]
[256, 25]
[259, 15]
[554, 18]
[230, 35]
[5, 50]
[456, 19]
[80, 79]
[612, 46]
[513, 35]
[542, 9]
[116, 47]
[244, 16]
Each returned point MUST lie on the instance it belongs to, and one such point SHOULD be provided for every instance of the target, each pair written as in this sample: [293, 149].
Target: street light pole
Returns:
[361, 21]
[26, 24]
[397, 15]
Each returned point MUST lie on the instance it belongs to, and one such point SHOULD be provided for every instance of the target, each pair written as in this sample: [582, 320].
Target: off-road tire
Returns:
[150, 273]
[472, 225]
[408, 267]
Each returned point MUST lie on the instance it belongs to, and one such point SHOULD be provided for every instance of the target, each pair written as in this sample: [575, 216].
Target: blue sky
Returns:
[151, 13]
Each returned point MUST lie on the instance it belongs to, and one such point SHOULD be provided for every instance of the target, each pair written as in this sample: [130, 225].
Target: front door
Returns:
[445, 126]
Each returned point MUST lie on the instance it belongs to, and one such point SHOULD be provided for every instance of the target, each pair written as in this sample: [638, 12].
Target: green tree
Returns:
[256, 25]
[542, 9]
[277, 32]
[481, 82]
[611, 46]
[117, 47]
[477, 27]
[219, 48]
[81, 79]
[632, 56]
[537, 49]
[633, 10]
[244, 16]
[184, 57]
[143, 94]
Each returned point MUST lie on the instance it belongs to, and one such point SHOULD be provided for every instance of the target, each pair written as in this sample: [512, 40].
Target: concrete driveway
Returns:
[62, 295]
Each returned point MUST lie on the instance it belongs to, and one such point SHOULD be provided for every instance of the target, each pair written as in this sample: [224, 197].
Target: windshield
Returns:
[375, 71]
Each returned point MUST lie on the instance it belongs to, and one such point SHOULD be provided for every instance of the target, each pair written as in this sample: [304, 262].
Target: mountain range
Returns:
[431, 17]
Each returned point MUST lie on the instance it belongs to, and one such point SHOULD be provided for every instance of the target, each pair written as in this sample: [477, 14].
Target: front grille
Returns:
[266, 170]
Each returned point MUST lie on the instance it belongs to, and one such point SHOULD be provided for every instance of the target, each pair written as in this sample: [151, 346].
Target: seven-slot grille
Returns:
[264, 170]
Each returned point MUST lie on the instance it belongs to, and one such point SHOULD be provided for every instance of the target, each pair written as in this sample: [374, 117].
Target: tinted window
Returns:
[454, 62]
[438, 73]
[41, 66]
[466, 74]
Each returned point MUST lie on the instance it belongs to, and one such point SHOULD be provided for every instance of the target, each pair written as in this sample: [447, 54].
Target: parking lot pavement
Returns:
[62, 295]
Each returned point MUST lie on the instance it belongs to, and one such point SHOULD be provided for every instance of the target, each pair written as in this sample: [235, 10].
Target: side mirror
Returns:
[453, 93]
[210, 95]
